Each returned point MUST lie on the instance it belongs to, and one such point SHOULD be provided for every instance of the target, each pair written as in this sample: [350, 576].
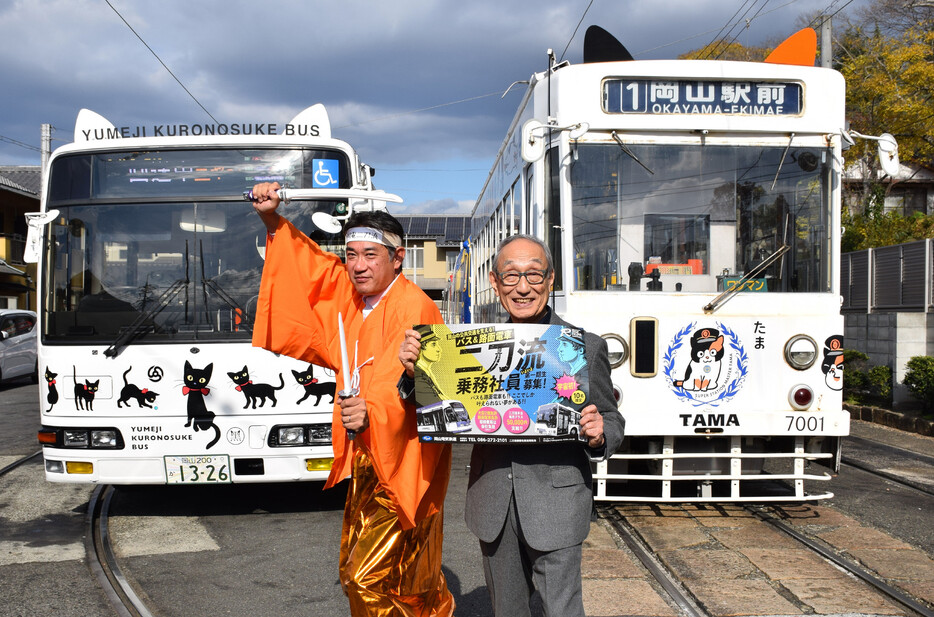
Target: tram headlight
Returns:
[617, 349]
[75, 438]
[800, 352]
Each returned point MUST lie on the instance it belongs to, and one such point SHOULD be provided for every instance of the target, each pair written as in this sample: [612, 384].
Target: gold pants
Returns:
[387, 571]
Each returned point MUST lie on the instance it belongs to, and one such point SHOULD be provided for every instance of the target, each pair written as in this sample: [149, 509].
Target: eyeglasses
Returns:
[534, 277]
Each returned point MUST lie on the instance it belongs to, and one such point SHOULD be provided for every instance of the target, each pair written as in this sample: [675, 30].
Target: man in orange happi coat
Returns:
[390, 559]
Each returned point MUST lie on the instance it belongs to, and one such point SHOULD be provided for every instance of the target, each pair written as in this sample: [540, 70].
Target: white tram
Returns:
[150, 261]
[693, 210]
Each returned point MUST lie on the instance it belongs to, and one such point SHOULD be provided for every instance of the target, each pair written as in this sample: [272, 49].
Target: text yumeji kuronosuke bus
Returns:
[150, 262]
[693, 210]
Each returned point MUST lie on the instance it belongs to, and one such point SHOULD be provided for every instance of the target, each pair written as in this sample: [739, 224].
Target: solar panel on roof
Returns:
[455, 229]
[436, 225]
[419, 226]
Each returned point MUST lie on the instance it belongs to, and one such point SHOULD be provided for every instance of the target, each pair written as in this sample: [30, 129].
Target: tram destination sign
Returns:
[692, 97]
[500, 383]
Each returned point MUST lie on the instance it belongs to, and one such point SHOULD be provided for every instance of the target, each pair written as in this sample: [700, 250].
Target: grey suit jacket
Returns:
[552, 482]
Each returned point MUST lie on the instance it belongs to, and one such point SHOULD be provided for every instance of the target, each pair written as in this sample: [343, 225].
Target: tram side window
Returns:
[553, 213]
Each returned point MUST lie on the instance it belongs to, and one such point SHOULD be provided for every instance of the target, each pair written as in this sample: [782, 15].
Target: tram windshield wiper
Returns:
[791, 138]
[140, 325]
[732, 291]
[629, 152]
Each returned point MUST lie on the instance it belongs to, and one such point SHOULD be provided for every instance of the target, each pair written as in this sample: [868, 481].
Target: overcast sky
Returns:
[413, 85]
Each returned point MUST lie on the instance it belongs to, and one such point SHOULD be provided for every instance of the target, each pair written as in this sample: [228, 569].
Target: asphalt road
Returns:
[272, 549]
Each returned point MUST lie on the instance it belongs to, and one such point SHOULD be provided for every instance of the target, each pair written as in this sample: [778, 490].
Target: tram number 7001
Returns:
[213, 469]
[805, 423]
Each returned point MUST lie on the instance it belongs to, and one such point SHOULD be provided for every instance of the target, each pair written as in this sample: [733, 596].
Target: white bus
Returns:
[150, 261]
[557, 420]
[693, 211]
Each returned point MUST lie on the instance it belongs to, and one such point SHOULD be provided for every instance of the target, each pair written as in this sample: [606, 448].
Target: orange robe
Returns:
[302, 291]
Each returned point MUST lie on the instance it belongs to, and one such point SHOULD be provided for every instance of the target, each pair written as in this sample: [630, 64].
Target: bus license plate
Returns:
[204, 469]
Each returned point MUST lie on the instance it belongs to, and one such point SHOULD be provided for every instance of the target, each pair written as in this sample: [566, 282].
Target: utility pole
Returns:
[46, 149]
[826, 51]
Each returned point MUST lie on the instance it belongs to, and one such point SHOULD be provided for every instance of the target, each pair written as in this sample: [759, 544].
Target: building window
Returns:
[414, 258]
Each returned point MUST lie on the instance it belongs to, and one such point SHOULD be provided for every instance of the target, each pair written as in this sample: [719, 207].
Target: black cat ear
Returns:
[187, 366]
[295, 373]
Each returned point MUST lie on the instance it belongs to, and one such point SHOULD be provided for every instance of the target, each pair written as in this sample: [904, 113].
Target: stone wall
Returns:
[891, 339]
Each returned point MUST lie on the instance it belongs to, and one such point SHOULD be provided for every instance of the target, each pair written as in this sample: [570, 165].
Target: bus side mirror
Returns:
[35, 223]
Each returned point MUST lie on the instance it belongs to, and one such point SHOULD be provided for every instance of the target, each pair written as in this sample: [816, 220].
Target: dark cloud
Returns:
[371, 63]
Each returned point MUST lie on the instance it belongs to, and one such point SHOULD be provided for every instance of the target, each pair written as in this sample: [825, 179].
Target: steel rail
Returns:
[685, 602]
[19, 462]
[103, 561]
[850, 566]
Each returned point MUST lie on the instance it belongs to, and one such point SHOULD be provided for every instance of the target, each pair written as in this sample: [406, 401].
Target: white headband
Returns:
[370, 234]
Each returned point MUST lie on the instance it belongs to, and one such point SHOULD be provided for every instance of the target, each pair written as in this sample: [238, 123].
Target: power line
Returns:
[161, 62]
[717, 37]
[575, 31]
[415, 111]
[748, 21]
[723, 41]
[694, 36]
[15, 142]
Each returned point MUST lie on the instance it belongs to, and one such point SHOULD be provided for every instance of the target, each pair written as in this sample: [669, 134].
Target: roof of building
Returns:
[23, 179]
[447, 231]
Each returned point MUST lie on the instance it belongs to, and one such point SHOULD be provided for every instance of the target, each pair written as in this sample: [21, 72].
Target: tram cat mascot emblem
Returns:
[255, 391]
[144, 397]
[85, 392]
[195, 388]
[307, 380]
[52, 396]
[832, 366]
[703, 372]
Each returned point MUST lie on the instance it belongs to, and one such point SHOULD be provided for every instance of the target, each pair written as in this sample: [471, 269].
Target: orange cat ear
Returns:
[800, 49]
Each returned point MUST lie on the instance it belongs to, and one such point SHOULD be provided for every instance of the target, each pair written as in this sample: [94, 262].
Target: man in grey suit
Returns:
[530, 506]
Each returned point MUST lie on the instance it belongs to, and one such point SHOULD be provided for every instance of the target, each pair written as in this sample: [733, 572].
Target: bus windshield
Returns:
[180, 271]
[696, 218]
[159, 245]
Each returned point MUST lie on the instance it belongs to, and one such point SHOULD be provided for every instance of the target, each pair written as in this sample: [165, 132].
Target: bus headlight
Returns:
[104, 439]
[291, 436]
[300, 435]
[74, 438]
[319, 433]
[800, 352]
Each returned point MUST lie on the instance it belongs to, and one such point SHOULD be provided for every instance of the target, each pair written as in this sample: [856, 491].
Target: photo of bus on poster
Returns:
[499, 383]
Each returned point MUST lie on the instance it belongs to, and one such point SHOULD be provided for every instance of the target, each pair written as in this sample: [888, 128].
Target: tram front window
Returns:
[176, 271]
[702, 218]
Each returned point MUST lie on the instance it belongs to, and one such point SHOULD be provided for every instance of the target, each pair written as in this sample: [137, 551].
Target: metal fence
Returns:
[891, 278]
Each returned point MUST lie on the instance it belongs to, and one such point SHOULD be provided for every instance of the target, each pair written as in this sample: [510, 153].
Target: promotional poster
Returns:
[500, 383]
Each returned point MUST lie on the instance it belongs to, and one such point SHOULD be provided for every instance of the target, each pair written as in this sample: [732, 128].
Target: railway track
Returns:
[894, 454]
[19, 462]
[687, 605]
[103, 562]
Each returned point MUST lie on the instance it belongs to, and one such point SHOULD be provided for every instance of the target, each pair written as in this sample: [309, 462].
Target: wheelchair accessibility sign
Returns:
[326, 173]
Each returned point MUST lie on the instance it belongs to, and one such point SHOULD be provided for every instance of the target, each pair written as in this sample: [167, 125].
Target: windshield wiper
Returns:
[729, 293]
[631, 154]
[141, 324]
[782, 162]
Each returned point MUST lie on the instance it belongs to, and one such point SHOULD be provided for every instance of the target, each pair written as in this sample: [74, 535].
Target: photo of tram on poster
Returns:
[490, 383]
